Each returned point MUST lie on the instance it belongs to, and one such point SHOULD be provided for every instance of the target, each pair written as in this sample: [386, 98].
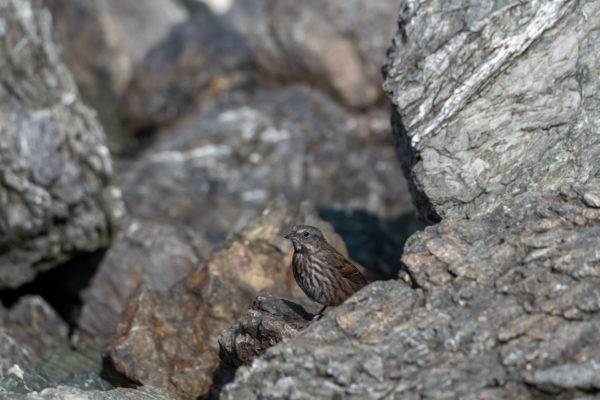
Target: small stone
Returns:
[592, 198]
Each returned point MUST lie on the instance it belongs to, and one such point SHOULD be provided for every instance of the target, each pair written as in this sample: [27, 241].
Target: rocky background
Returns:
[154, 152]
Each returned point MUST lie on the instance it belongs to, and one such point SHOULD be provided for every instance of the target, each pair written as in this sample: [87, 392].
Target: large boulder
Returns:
[199, 59]
[56, 199]
[220, 167]
[336, 45]
[507, 307]
[35, 324]
[492, 100]
[103, 39]
[170, 339]
[144, 251]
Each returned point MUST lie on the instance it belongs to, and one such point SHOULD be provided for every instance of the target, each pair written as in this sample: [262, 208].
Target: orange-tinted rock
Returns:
[170, 339]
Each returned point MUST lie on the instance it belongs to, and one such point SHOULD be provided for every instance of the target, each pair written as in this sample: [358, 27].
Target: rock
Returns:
[144, 251]
[243, 150]
[68, 392]
[36, 325]
[337, 46]
[104, 39]
[170, 339]
[79, 369]
[56, 199]
[198, 60]
[10, 352]
[61, 366]
[508, 304]
[493, 101]
[265, 324]
[567, 377]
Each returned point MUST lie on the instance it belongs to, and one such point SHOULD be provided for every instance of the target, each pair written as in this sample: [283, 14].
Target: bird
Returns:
[325, 275]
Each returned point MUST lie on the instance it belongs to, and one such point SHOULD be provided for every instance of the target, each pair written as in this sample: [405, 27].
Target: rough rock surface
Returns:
[243, 150]
[63, 366]
[336, 45]
[80, 369]
[170, 339]
[144, 251]
[36, 326]
[69, 392]
[494, 99]
[266, 323]
[198, 60]
[508, 308]
[55, 194]
[11, 352]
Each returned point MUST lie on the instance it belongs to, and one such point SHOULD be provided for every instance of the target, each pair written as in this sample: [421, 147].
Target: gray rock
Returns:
[507, 304]
[56, 199]
[76, 368]
[494, 99]
[60, 365]
[567, 377]
[66, 392]
[200, 59]
[217, 169]
[103, 39]
[11, 352]
[143, 252]
[336, 45]
[36, 325]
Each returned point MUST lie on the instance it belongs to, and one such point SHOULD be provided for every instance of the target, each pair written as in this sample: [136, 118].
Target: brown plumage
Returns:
[325, 275]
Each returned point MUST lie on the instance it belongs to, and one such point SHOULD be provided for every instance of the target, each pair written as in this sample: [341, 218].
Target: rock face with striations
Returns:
[492, 100]
[508, 308]
[56, 199]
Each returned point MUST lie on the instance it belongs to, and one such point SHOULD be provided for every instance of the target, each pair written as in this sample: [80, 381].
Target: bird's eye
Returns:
[305, 234]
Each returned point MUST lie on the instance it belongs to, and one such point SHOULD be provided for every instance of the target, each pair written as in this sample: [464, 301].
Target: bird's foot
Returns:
[316, 318]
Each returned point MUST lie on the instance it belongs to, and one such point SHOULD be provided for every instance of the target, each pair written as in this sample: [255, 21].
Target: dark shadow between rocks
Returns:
[374, 243]
[298, 309]
[109, 372]
[408, 160]
[61, 286]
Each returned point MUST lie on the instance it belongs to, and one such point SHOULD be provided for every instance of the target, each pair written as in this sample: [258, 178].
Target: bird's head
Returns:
[305, 238]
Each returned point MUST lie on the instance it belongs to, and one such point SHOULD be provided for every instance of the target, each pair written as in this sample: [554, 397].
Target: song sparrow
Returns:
[325, 275]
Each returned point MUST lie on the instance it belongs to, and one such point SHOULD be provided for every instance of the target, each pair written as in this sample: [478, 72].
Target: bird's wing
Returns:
[347, 269]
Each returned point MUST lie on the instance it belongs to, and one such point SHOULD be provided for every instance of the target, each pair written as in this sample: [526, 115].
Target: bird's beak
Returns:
[290, 235]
